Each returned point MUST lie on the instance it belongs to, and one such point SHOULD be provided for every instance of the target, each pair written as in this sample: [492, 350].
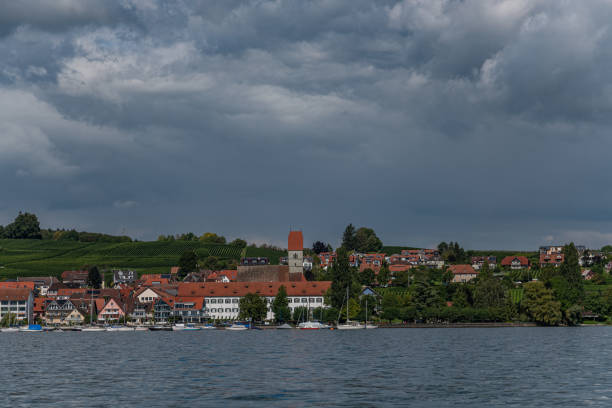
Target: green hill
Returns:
[51, 258]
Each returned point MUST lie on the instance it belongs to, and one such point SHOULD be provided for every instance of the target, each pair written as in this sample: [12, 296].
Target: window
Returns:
[228, 310]
[290, 300]
[213, 300]
[319, 300]
[228, 300]
[311, 300]
[235, 310]
[234, 300]
[304, 300]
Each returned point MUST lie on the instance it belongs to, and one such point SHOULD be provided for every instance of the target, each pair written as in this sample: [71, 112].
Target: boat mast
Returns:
[347, 302]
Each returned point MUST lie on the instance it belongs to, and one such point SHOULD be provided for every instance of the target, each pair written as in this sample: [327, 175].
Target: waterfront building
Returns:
[16, 301]
[222, 300]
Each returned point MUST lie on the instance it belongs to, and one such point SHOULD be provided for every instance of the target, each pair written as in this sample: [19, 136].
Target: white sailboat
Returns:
[349, 325]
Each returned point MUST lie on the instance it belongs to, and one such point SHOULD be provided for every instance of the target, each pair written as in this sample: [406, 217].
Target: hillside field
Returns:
[51, 258]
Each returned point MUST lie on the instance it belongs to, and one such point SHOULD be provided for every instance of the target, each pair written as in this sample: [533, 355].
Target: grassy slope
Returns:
[44, 258]
[272, 254]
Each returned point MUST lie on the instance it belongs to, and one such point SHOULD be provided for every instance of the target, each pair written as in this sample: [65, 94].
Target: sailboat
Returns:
[311, 325]
[91, 327]
[349, 325]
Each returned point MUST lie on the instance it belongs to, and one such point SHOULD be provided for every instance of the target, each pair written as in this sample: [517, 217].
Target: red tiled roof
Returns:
[17, 285]
[74, 275]
[296, 241]
[174, 270]
[399, 268]
[39, 304]
[212, 289]
[462, 270]
[70, 291]
[14, 294]
[507, 261]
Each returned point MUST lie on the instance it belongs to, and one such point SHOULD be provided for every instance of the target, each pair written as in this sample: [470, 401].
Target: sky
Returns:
[480, 121]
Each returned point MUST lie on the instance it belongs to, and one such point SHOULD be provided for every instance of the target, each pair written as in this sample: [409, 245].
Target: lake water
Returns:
[510, 367]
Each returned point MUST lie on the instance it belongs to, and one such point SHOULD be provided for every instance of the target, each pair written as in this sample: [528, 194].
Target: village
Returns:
[213, 298]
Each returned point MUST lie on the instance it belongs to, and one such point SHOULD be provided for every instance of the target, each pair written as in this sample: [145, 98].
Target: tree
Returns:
[424, 295]
[319, 246]
[462, 296]
[353, 308]
[342, 277]
[213, 238]
[570, 271]
[188, 262]
[383, 275]
[211, 263]
[280, 305]
[489, 293]
[367, 241]
[94, 279]
[25, 226]
[540, 305]
[239, 243]
[348, 238]
[253, 307]
[1, 232]
[190, 236]
[367, 277]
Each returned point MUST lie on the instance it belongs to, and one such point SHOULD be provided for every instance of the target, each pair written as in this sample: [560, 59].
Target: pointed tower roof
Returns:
[296, 241]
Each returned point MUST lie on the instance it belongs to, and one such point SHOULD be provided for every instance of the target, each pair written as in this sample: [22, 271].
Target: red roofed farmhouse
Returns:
[462, 273]
[515, 262]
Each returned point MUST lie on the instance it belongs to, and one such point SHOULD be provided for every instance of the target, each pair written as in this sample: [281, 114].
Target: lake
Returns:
[509, 367]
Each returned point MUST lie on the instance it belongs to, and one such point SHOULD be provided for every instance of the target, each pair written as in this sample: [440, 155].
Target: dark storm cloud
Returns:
[480, 121]
[59, 16]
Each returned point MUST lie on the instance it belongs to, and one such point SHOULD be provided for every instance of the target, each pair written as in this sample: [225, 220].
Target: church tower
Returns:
[296, 255]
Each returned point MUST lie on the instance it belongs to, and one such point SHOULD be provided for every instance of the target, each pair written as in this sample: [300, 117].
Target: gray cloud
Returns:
[485, 122]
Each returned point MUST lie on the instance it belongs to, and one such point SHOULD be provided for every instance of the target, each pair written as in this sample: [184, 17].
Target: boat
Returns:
[209, 327]
[237, 327]
[160, 328]
[191, 327]
[309, 325]
[93, 329]
[178, 327]
[9, 329]
[285, 326]
[125, 329]
[32, 328]
[141, 328]
[348, 325]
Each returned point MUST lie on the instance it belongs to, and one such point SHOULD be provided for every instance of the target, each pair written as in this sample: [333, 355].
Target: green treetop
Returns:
[280, 305]
[253, 307]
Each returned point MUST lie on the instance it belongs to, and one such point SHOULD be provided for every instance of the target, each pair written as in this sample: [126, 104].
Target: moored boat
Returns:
[9, 329]
[93, 329]
[237, 327]
[32, 328]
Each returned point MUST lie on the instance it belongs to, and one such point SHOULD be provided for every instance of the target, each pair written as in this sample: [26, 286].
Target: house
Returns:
[551, 255]
[327, 259]
[371, 261]
[478, 261]
[124, 276]
[190, 309]
[588, 274]
[150, 294]
[142, 312]
[39, 307]
[57, 310]
[113, 310]
[462, 273]
[75, 278]
[162, 309]
[399, 268]
[41, 283]
[18, 302]
[515, 262]
[222, 299]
